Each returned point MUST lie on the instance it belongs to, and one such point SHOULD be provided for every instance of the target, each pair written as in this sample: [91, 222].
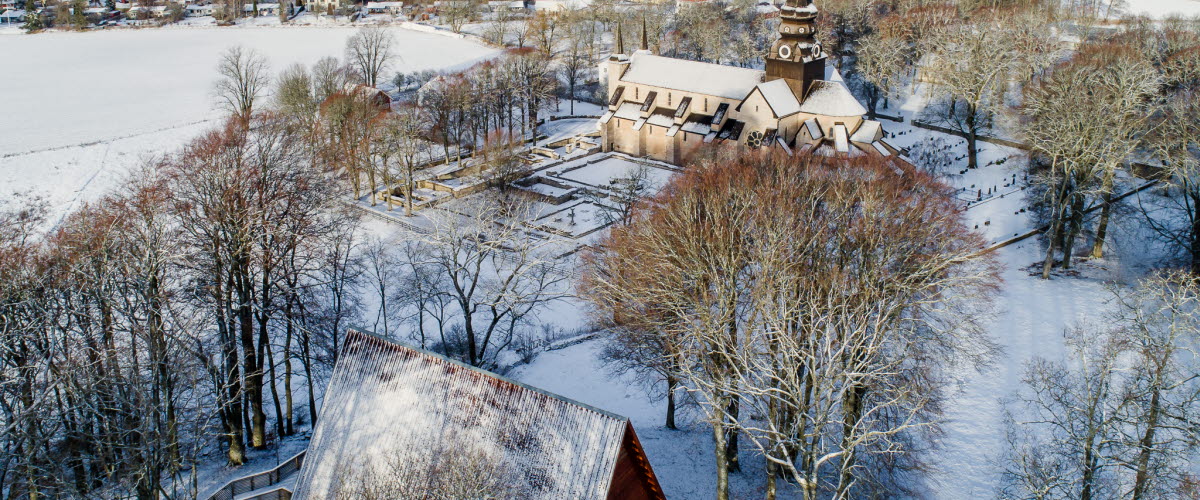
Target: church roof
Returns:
[692, 76]
[831, 99]
[393, 404]
[779, 97]
[867, 132]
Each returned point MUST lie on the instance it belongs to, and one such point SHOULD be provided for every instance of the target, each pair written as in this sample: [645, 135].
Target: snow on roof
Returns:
[661, 118]
[783, 144]
[867, 132]
[388, 403]
[831, 99]
[839, 139]
[779, 97]
[881, 148]
[16, 13]
[692, 76]
[814, 128]
[385, 5]
[701, 127]
[832, 74]
[629, 111]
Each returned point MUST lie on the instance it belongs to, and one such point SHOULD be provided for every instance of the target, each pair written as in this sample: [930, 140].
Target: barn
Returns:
[414, 421]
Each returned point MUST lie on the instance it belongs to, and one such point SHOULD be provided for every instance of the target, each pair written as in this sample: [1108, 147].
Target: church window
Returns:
[635, 93]
[705, 104]
[668, 98]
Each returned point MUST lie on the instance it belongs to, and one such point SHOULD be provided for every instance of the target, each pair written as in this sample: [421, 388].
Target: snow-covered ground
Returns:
[81, 108]
[1163, 8]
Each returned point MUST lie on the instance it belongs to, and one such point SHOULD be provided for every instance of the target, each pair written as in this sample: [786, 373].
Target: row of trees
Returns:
[811, 305]
[1117, 417]
[1141, 101]
[1084, 113]
[203, 302]
[165, 314]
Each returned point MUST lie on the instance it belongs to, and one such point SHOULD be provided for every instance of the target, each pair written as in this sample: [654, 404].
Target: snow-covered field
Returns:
[81, 108]
[1163, 8]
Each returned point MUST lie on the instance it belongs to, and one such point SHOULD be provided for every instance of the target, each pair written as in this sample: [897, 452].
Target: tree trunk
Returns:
[972, 137]
[251, 363]
[772, 472]
[671, 383]
[853, 413]
[1056, 222]
[722, 462]
[408, 190]
[1146, 446]
[287, 367]
[1195, 234]
[1105, 213]
[731, 443]
[1076, 226]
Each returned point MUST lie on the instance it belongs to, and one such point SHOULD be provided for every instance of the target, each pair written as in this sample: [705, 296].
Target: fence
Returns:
[262, 480]
[983, 138]
[1043, 229]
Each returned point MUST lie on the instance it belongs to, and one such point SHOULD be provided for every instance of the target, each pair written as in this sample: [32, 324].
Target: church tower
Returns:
[796, 56]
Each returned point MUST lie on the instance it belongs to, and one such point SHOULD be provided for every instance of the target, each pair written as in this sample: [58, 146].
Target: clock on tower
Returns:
[797, 56]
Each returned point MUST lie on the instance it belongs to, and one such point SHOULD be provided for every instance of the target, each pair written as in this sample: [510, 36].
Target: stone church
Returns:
[661, 107]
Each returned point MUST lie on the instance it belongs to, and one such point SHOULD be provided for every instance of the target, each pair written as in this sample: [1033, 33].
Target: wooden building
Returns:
[388, 402]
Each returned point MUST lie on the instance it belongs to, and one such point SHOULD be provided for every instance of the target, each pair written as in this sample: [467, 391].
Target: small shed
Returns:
[389, 406]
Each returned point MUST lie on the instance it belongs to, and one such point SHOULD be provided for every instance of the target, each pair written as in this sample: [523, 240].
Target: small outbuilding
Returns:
[13, 16]
[395, 411]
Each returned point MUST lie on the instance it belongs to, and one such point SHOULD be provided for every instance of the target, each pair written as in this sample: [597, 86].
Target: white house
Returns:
[264, 9]
[506, 5]
[391, 8]
[198, 10]
[557, 5]
[154, 11]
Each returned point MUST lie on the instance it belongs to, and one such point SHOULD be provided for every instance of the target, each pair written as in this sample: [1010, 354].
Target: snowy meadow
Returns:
[86, 107]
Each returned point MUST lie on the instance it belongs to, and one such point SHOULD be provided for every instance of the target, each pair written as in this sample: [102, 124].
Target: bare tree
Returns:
[496, 274]
[1085, 133]
[1175, 142]
[243, 79]
[1064, 427]
[1162, 391]
[369, 52]
[879, 62]
[970, 66]
[574, 62]
[1116, 420]
[778, 317]
[329, 76]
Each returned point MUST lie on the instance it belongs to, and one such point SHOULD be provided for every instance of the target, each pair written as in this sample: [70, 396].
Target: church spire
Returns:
[645, 46]
[797, 56]
[620, 40]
